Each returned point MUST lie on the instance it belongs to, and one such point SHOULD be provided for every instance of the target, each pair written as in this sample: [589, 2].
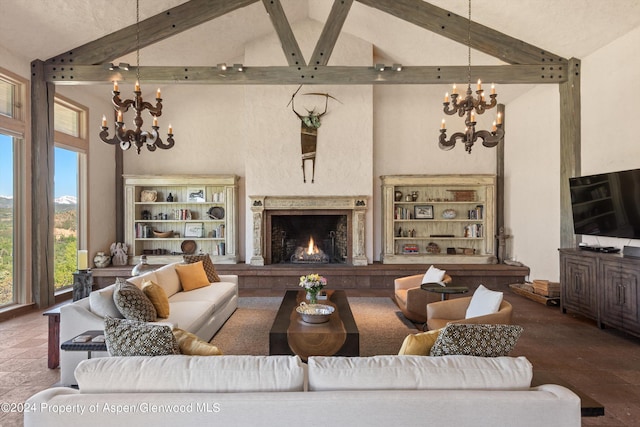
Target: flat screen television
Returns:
[607, 204]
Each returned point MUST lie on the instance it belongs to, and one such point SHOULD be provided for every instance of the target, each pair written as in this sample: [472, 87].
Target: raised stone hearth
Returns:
[354, 208]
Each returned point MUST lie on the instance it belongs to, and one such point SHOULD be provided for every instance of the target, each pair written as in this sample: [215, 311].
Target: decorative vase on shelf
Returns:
[141, 267]
[101, 260]
[398, 196]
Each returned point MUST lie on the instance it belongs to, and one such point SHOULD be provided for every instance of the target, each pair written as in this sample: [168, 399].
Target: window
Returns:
[13, 191]
[7, 237]
[70, 171]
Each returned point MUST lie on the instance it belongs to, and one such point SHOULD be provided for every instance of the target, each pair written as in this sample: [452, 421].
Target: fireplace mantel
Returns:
[356, 204]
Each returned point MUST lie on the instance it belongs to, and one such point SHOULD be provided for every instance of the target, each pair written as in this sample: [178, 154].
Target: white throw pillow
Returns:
[484, 301]
[433, 275]
[101, 303]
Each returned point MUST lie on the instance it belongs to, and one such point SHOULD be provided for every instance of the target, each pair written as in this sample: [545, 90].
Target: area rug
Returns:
[381, 324]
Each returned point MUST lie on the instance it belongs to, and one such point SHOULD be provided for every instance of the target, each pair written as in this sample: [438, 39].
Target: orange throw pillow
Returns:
[192, 276]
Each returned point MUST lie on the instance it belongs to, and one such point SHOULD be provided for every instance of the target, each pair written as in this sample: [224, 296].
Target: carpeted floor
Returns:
[382, 327]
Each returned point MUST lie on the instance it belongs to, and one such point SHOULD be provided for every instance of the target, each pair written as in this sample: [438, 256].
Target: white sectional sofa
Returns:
[201, 311]
[280, 390]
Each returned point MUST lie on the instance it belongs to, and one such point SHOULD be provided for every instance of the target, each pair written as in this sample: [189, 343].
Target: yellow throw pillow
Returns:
[192, 345]
[419, 344]
[192, 276]
[157, 296]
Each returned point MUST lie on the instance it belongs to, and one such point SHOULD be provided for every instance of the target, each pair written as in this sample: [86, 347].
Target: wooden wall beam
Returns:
[338, 75]
[570, 149]
[42, 166]
[287, 39]
[455, 27]
[330, 32]
[152, 30]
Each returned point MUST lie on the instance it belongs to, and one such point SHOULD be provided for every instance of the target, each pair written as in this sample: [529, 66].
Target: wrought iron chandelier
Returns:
[126, 137]
[468, 107]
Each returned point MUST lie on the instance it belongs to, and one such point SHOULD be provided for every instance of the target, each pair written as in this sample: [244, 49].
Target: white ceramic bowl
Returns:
[314, 313]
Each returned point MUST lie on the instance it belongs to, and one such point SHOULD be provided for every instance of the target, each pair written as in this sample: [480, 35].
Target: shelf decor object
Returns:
[126, 137]
[468, 107]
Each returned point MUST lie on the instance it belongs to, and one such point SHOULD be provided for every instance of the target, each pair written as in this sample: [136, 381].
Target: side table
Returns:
[444, 291]
[87, 346]
[53, 345]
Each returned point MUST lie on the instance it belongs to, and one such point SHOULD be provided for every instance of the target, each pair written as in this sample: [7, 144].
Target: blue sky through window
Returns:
[66, 170]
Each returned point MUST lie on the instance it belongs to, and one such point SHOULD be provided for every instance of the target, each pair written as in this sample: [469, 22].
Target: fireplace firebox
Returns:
[334, 222]
[308, 237]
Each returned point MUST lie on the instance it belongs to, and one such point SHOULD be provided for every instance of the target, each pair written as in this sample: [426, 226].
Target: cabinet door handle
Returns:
[576, 282]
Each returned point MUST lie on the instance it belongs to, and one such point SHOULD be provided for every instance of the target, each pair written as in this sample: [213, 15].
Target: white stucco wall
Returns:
[610, 82]
[532, 180]
[344, 158]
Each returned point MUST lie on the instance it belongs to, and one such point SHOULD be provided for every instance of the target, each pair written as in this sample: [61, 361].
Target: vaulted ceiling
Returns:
[39, 29]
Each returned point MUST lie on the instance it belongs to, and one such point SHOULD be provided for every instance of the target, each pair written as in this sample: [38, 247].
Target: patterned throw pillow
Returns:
[132, 338]
[132, 302]
[476, 340]
[209, 268]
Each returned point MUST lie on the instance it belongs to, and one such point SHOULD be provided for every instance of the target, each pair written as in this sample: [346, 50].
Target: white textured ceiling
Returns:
[40, 29]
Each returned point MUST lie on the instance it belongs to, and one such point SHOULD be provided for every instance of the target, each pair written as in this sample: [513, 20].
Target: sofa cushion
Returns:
[191, 374]
[484, 301]
[137, 280]
[132, 338]
[418, 373]
[419, 344]
[192, 276]
[132, 302]
[158, 298]
[167, 278]
[433, 275]
[209, 268]
[101, 303]
[476, 340]
[192, 345]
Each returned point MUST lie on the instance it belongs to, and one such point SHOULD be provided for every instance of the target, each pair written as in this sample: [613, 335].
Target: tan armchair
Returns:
[411, 299]
[454, 310]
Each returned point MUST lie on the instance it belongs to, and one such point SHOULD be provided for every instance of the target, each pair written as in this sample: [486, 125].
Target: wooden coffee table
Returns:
[337, 337]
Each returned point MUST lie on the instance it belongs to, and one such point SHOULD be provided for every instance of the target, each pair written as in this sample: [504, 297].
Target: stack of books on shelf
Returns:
[473, 230]
[410, 248]
[403, 213]
[143, 231]
[476, 213]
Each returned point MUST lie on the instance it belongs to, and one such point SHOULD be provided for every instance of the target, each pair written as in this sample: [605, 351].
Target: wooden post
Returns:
[570, 149]
[500, 178]
[42, 166]
[119, 181]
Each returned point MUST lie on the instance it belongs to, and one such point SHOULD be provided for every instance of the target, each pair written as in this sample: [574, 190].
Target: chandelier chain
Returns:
[138, 40]
[469, 46]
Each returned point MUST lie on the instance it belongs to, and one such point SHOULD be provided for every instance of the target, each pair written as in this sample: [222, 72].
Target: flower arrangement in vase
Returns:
[312, 283]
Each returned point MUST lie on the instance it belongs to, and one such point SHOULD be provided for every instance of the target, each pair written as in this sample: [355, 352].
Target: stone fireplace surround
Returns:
[357, 205]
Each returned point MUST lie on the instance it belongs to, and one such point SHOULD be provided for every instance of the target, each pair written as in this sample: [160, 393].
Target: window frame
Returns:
[17, 127]
[80, 145]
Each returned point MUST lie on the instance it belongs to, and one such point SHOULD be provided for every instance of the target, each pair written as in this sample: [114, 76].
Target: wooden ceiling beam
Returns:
[287, 39]
[331, 32]
[152, 30]
[336, 75]
[455, 27]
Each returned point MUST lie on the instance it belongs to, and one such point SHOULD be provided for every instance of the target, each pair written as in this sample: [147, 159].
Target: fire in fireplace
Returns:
[310, 254]
[308, 237]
